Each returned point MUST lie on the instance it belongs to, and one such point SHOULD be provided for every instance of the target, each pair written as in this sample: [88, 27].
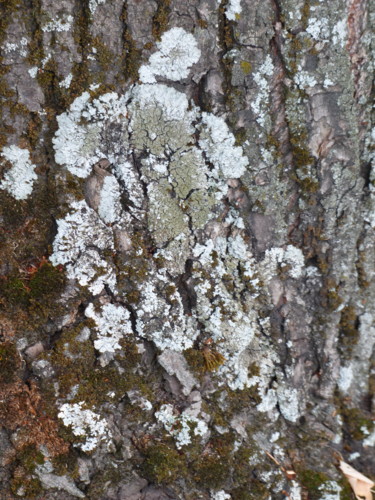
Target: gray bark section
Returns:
[305, 126]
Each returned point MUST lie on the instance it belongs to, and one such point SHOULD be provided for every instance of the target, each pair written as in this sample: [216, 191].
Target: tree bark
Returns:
[187, 218]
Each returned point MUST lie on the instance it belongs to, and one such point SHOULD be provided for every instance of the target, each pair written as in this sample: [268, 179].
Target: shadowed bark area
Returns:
[186, 249]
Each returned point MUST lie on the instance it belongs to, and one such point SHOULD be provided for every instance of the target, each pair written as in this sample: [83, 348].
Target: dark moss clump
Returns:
[99, 483]
[29, 457]
[163, 464]
[29, 486]
[131, 58]
[160, 19]
[211, 471]
[195, 360]
[349, 333]
[355, 422]
[213, 468]
[35, 289]
[254, 490]
[9, 362]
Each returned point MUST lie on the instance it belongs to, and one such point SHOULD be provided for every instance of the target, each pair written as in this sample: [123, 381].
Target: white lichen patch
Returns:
[288, 399]
[321, 31]
[59, 25]
[340, 33]
[231, 324]
[163, 323]
[19, 179]
[19, 47]
[86, 424]
[218, 143]
[33, 71]
[318, 29]
[233, 9]
[174, 185]
[113, 324]
[79, 147]
[220, 495]
[93, 5]
[345, 379]
[295, 491]
[292, 257]
[177, 52]
[109, 208]
[304, 80]
[370, 439]
[66, 82]
[330, 490]
[182, 427]
[81, 236]
[261, 78]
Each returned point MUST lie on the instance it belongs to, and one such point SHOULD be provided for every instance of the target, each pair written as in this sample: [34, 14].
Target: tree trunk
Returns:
[187, 249]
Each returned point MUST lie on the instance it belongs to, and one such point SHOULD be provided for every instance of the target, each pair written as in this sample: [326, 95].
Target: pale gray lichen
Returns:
[85, 424]
[19, 179]
[81, 237]
[233, 9]
[177, 52]
[113, 324]
[175, 184]
[163, 321]
[181, 426]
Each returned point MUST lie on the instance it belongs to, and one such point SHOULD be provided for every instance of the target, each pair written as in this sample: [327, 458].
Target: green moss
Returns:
[104, 54]
[133, 297]
[37, 293]
[99, 482]
[47, 283]
[74, 185]
[34, 128]
[330, 297]
[213, 469]
[195, 361]
[30, 487]
[75, 364]
[246, 67]
[346, 492]
[311, 481]
[356, 423]
[253, 490]
[163, 464]
[66, 465]
[29, 457]
[160, 18]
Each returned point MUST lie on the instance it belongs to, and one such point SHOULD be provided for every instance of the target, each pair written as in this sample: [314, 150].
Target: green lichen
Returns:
[246, 67]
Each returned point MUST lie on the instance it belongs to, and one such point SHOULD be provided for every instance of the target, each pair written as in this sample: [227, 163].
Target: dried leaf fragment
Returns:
[361, 485]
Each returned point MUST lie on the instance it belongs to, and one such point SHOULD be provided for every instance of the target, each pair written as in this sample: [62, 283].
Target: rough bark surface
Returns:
[187, 292]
